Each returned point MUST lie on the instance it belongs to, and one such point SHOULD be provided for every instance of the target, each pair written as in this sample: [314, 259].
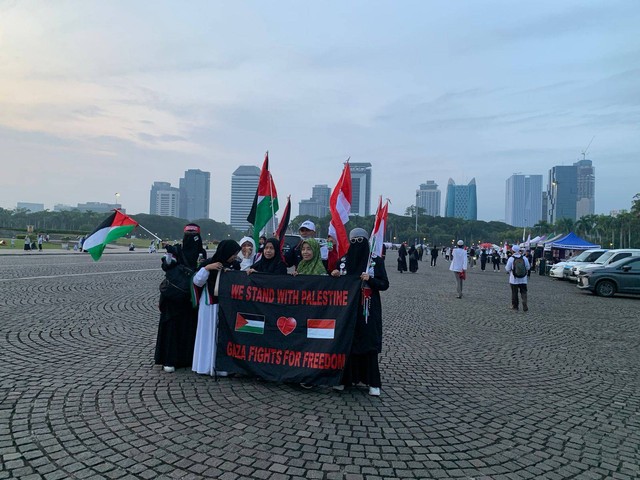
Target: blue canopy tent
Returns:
[573, 242]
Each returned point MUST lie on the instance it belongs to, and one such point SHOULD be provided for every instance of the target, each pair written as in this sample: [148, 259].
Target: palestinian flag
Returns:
[115, 226]
[284, 223]
[249, 323]
[265, 203]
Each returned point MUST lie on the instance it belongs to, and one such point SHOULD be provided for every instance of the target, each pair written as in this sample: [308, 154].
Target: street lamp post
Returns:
[416, 211]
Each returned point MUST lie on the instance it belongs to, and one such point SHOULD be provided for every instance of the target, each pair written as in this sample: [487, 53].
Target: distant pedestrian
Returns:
[495, 260]
[413, 259]
[402, 258]
[27, 243]
[483, 259]
[459, 266]
[518, 266]
[434, 256]
[40, 240]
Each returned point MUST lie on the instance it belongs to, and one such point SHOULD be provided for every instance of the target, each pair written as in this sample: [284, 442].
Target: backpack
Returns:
[519, 267]
[177, 283]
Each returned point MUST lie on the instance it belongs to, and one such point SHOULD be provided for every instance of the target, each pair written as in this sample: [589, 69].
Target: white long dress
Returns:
[204, 352]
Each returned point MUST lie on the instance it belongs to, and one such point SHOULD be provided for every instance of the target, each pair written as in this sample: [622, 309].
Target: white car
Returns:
[605, 259]
[562, 270]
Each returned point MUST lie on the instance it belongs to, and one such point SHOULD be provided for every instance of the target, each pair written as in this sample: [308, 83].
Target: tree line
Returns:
[620, 231]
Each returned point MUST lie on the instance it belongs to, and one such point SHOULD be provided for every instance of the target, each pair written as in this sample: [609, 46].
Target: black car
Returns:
[290, 241]
[622, 276]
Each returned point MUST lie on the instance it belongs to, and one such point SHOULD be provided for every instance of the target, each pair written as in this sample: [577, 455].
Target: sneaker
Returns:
[374, 391]
[306, 386]
[513, 308]
[169, 369]
[525, 308]
[338, 388]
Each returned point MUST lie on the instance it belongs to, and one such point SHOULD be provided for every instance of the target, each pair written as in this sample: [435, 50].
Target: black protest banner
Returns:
[284, 328]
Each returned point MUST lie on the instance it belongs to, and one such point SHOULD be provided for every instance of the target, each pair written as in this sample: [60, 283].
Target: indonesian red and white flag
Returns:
[376, 241]
[340, 206]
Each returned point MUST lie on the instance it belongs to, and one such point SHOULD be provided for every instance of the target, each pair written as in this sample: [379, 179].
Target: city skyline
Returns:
[386, 85]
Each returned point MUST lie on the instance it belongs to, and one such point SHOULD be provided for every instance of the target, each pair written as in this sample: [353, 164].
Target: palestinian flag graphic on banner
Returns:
[250, 323]
[115, 226]
[265, 203]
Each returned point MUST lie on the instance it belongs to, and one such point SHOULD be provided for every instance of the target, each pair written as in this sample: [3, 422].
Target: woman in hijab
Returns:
[178, 319]
[247, 255]
[402, 258]
[362, 363]
[271, 260]
[311, 263]
[413, 259]
[204, 354]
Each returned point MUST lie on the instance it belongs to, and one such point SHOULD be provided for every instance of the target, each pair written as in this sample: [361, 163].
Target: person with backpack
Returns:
[518, 267]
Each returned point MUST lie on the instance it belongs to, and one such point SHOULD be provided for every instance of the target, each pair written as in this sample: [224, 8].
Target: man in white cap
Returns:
[518, 267]
[459, 266]
[307, 230]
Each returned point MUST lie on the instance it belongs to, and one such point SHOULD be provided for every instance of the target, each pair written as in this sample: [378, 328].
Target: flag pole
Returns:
[273, 213]
[150, 233]
[138, 225]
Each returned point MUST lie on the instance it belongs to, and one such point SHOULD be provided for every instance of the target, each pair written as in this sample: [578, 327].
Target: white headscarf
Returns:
[245, 263]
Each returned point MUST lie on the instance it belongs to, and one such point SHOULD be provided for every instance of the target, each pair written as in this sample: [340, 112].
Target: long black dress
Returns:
[362, 364]
[413, 259]
[178, 319]
[402, 259]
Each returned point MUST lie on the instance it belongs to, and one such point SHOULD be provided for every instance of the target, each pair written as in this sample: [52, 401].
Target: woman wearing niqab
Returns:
[362, 363]
[204, 354]
[178, 319]
[413, 259]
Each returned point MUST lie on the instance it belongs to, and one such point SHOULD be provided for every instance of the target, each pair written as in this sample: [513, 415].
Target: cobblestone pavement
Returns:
[470, 390]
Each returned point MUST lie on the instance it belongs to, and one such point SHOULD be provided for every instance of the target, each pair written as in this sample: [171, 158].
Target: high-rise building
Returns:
[244, 184]
[100, 207]
[523, 200]
[461, 200]
[428, 198]
[31, 207]
[586, 177]
[194, 195]
[562, 193]
[360, 188]
[318, 204]
[571, 191]
[164, 200]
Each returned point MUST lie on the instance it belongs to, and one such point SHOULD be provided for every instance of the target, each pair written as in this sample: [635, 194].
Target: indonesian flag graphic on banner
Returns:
[340, 206]
[265, 203]
[320, 328]
[115, 226]
[377, 236]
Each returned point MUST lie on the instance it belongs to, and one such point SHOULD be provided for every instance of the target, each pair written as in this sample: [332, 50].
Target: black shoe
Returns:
[306, 386]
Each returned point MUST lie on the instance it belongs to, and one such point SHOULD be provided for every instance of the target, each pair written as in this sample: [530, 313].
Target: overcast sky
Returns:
[101, 97]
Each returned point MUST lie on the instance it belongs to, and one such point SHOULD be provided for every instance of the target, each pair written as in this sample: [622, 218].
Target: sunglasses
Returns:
[357, 239]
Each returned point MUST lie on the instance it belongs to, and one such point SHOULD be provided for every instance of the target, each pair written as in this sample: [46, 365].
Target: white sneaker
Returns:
[169, 369]
[338, 388]
[374, 391]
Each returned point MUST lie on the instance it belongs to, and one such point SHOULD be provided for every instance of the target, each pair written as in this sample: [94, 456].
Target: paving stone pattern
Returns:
[470, 390]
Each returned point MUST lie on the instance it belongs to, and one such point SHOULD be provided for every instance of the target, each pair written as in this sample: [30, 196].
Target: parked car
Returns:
[622, 276]
[562, 270]
[606, 259]
[594, 254]
[290, 241]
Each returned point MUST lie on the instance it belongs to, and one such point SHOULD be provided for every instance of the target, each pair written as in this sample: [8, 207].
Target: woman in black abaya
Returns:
[402, 258]
[362, 363]
[413, 259]
[178, 319]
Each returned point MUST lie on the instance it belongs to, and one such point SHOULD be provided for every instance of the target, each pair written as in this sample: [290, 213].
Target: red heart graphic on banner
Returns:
[286, 325]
